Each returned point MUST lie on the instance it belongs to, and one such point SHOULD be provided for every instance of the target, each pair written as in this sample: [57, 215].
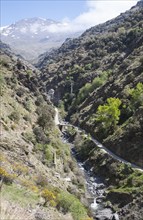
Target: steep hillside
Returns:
[35, 163]
[99, 78]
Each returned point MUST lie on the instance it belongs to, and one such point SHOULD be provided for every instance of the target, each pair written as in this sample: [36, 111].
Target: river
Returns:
[95, 186]
[96, 189]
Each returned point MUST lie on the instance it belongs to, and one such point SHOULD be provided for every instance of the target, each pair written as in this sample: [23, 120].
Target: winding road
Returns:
[102, 147]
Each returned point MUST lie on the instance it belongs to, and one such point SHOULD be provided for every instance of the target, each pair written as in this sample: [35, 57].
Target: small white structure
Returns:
[51, 93]
[56, 117]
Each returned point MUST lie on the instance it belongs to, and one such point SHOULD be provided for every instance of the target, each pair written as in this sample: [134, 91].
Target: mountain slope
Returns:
[104, 62]
[33, 36]
[34, 160]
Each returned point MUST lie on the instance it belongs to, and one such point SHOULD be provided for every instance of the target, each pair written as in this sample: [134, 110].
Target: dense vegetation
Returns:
[104, 63]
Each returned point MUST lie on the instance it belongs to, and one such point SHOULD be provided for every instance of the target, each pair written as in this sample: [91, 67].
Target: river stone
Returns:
[115, 217]
[104, 214]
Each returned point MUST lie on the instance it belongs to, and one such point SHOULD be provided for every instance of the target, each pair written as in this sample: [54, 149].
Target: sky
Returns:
[75, 15]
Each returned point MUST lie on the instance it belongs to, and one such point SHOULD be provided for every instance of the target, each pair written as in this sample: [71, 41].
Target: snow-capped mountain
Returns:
[33, 36]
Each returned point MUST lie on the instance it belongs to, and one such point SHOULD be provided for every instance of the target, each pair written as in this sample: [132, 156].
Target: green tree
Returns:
[46, 117]
[109, 114]
[136, 96]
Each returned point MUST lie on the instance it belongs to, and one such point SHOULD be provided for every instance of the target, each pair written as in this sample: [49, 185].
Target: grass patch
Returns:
[69, 203]
[19, 195]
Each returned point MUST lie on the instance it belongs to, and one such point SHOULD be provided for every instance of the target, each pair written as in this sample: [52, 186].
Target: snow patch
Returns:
[23, 30]
[5, 34]
[2, 28]
[43, 19]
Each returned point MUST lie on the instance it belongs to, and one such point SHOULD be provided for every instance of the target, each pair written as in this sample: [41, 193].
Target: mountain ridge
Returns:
[32, 36]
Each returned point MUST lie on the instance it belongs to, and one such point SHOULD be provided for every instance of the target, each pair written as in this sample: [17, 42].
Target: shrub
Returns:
[49, 196]
[27, 118]
[41, 180]
[88, 66]
[6, 176]
[29, 72]
[40, 135]
[29, 185]
[136, 96]
[45, 119]
[62, 109]
[141, 60]
[69, 203]
[20, 91]
[48, 154]
[28, 105]
[13, 126]
[20, 169]
[39, 100]
[19, 64]
[15, 115]
[29, 136]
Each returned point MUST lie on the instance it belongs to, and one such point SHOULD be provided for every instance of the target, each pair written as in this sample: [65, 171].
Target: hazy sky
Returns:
[75, 14]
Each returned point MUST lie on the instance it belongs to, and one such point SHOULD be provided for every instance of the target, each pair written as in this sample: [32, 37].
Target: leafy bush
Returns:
[28, 105]
[69, 203]
[45, 119]
[41, 180]
[141, 60]
[6, 176]
[29, 72]
[27, 118]
[19, 64]
[136, 96]
[20, 169]
[49, 154]
[40, 136]
[15, 115]
[49, 196]
[40, 100]
[88, 66]
[20, 91]
[29, 137]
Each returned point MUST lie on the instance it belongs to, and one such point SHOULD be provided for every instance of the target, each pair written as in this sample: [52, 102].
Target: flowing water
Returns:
[95, 187]
[96, 190]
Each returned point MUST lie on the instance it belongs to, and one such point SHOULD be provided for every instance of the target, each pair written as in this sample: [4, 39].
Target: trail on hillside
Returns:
[101, 146]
